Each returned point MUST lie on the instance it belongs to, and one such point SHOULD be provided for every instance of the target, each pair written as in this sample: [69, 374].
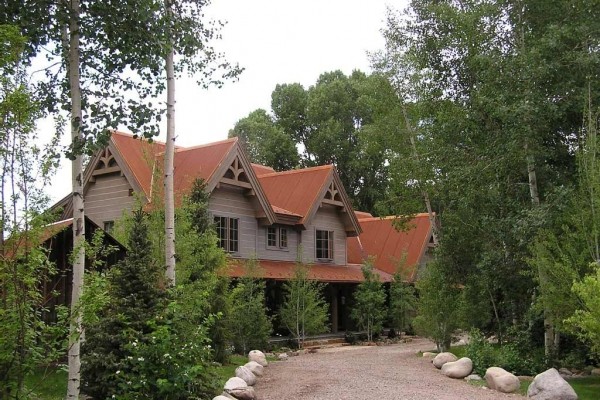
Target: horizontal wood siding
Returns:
[289, 254]
[328, 219]
[108, 198]
[233, 203]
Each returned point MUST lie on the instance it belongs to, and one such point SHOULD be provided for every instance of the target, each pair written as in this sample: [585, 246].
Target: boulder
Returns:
[258, 356]
[595, 372]
[549, 385]
[442, 359]
[255, 368]
[565, 372]
[501, 380]
[238, 388]
[458, 369]
[223, 397]
[473, 377]
[246, 375]
[282, 356]
[429, 354]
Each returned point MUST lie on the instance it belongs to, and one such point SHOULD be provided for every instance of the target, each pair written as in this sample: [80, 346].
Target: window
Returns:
[277, 238]
[228, 233]
[324, 245]
[109, 226]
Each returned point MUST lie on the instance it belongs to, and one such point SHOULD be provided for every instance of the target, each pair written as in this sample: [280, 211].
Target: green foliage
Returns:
[265, 142]
[403, 303]
[304, 311]
[27, 340]
[439, 306]
[121, 64]
[585, 323]
[341, 120]
[519, 361]
[369, 302]
[248, 321]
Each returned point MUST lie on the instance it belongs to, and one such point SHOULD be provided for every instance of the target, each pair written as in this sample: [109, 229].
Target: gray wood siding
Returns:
[226, 202]
[107, 198]
[328, 219]
[264, 253]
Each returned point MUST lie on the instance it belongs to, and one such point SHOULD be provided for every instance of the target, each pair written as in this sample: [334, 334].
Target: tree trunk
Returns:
[169, 155]
[74, 360]
[411, 133]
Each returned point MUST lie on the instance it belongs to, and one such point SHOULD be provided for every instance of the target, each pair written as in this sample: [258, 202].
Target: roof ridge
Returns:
[182, 149]
[132, 136]
[391, 217]
[296, 171]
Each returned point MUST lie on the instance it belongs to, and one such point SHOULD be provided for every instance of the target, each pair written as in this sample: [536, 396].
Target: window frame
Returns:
[328, 241]
[277, 238]
[228, 233]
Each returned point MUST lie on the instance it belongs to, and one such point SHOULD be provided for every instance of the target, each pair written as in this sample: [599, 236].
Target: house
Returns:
[275, 217]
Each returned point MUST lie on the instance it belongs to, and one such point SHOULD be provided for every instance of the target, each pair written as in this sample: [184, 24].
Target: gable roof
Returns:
[139, 156]
[301, 191]
[381, 240]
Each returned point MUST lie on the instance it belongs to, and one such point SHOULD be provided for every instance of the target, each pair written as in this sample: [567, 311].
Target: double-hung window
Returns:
[228, 233]
[277, 238]
[324, 245]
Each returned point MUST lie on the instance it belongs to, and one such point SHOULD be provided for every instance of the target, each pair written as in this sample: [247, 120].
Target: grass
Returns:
[47, 384]
[586, 388]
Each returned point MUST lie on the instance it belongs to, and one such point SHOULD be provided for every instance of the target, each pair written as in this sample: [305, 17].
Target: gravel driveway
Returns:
[366, 373]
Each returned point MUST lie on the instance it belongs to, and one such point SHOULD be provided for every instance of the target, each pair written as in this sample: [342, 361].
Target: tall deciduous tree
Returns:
[123, 68]
[304, 311]
[498, 123]
[341, 120]
[369, 302]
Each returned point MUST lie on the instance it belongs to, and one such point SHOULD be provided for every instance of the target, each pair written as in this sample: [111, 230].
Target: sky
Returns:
[275, 41]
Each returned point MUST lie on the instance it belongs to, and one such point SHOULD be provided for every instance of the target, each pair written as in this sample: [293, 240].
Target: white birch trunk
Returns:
[411, 133]
[169, 155]
[74, 360]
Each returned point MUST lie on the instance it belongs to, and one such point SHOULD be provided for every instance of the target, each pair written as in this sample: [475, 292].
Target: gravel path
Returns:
[366, 373]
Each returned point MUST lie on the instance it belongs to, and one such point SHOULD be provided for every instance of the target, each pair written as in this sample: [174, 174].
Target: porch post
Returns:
[334, 308]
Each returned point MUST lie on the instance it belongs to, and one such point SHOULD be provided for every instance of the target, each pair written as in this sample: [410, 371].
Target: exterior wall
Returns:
[107, 198]
[328, 219]
[231, 202]
[289, 254]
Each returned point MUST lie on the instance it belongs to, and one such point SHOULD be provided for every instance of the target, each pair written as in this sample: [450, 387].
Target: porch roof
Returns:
[284, 270]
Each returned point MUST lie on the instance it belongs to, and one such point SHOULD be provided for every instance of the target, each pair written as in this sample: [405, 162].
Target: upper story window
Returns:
[277, 238]
[228, 233]
[324, 245]
[109, 226]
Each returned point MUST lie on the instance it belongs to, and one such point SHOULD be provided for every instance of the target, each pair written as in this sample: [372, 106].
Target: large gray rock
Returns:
[443, 358]
[222, 397]
[429, 354]
[238, 388]
[258, 356]
[549, 385]
[458, 369]
[501, 380]
[246, 375]
[255, 368]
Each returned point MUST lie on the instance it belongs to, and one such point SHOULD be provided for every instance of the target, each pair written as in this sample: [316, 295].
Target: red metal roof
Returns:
[297, 190]
[139, 155]
[199, 162]
[189, 162]
[262, 169]
[381, 240]
[284, 270]
[362, 214]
